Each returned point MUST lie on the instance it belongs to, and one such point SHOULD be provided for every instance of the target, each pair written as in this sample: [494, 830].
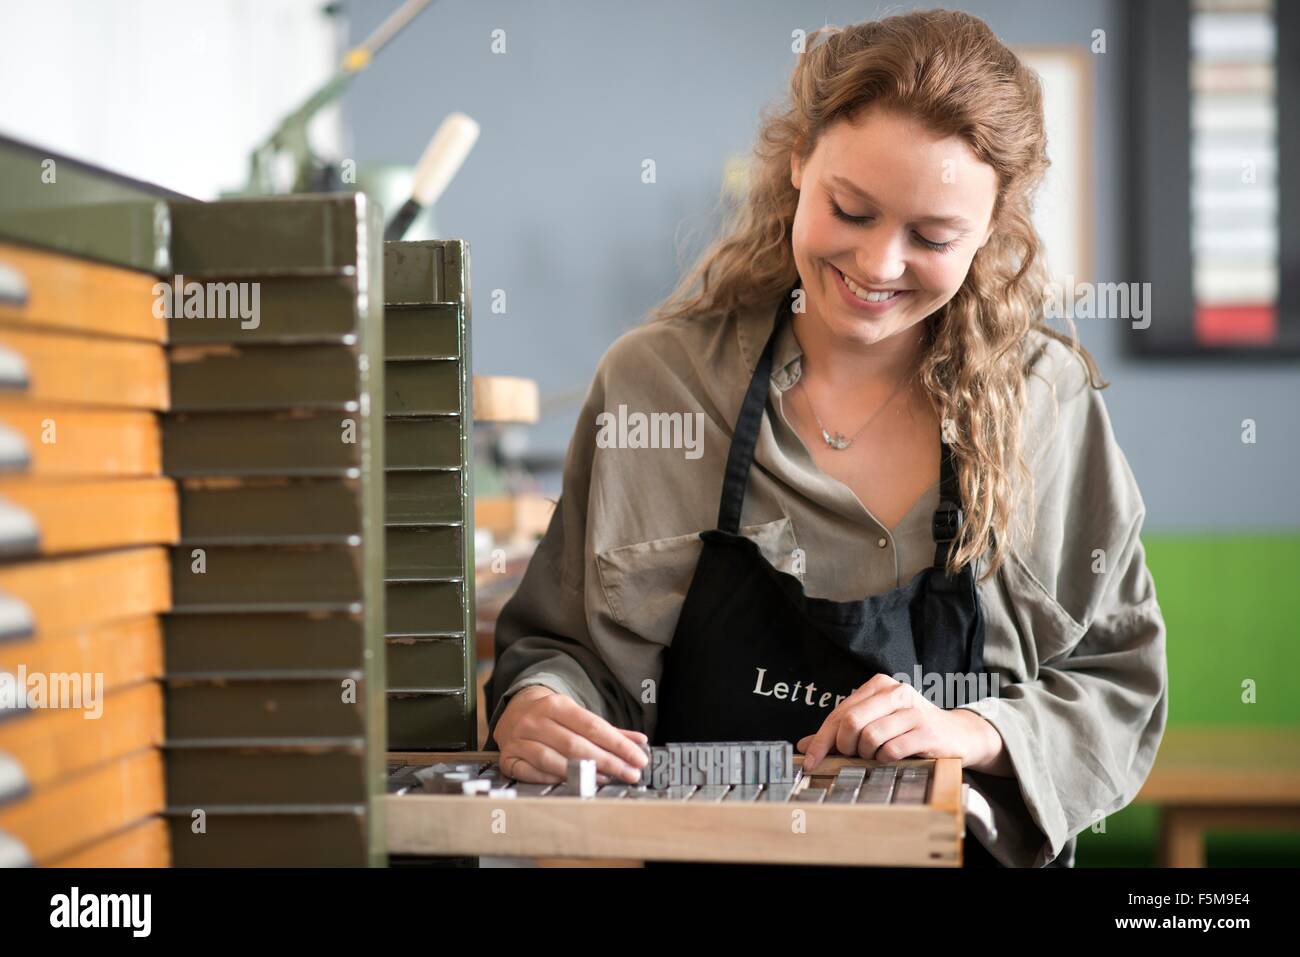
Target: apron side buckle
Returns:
[947, 522]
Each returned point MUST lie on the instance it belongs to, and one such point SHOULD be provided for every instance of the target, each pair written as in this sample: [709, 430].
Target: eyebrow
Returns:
[956, 222]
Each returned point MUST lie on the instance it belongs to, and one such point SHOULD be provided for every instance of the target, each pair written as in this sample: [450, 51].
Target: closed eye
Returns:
[863, 220]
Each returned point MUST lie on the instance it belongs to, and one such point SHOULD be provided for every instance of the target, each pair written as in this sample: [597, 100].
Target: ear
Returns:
[796, 163]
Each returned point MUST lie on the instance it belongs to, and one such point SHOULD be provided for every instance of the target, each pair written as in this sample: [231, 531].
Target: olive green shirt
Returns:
[1072, 626]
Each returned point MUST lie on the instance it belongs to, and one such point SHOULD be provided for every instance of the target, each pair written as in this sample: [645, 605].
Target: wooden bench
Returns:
[1222, 779]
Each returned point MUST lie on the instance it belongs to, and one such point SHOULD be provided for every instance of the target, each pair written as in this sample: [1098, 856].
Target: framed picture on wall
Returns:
[1063, 205]
[1215, 119]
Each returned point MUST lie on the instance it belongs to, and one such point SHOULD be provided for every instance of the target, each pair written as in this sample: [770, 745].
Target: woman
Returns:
[905, 528]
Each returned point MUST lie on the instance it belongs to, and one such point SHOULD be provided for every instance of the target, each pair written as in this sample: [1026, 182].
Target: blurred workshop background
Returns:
[561, 101]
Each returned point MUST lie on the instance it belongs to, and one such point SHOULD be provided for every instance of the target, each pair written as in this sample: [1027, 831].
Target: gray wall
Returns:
[552, 204]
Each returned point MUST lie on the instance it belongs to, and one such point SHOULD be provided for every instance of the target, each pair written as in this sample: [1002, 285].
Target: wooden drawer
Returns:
[125, 651]
[52, 745]
[64, 594]
[57, 367]
[75, 515]
[65, 442]
[67, 293]
[88, 806]
[146, 844]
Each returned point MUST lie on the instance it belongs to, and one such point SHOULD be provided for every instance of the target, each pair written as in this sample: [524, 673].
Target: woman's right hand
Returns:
[541, 730]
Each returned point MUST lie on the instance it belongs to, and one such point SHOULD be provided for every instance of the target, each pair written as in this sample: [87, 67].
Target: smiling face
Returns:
[886, 209]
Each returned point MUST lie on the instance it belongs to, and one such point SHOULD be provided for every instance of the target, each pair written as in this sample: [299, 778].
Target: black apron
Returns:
[754, 658]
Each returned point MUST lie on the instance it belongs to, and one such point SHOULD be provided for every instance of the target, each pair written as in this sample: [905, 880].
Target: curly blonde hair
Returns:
[947, 69]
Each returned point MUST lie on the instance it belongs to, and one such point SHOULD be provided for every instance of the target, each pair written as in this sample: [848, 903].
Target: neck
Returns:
[854, 368]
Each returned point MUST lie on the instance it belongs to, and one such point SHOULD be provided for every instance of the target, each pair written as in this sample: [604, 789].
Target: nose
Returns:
[880, 259]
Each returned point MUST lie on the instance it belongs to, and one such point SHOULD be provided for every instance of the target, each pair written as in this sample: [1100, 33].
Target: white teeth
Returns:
[865, 295]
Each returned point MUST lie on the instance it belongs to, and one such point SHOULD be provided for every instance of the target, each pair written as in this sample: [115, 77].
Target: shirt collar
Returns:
[754, 328]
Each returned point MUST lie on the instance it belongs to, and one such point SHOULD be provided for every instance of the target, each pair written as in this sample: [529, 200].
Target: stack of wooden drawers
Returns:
[86, 515]
[430, 537]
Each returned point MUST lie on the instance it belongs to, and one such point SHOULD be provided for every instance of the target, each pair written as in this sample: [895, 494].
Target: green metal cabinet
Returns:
[430, 515]
[275, 717]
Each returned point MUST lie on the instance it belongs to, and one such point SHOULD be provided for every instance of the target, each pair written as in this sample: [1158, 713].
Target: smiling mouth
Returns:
[868, 293]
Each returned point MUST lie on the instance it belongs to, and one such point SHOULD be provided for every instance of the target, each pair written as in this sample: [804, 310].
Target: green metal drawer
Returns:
[266, 579]
[226, 378]
[427, 722]
[423, 444]
[425, 608]
[226, 644]
[275, 774]
[422, 332]
[273, 511]
[245, 443]
[416, 664]
[423, 498]
[423, 387]
[223, 709]
[234, 839]
[416, 553]
[290, 309]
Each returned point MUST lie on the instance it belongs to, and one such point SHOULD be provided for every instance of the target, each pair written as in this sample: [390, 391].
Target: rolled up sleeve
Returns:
[1082, 728]
[1082, 736]
[557, 630]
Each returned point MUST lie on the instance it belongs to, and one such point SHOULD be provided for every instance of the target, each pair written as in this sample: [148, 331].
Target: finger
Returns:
[848, 733]
[881, 686]
[868, 713]
[573, 746]
[876, 734]
[525, 772]
[601, 733]
[635, 735]
[914, 743]
[521, 772]
[883, 700]
[822, 742]
[532, 762]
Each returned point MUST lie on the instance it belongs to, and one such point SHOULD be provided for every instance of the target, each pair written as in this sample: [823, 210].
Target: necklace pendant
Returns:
[836, 441]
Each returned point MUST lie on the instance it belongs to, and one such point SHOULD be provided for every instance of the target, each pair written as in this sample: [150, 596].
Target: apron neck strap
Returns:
[948, 517]
[748, 423]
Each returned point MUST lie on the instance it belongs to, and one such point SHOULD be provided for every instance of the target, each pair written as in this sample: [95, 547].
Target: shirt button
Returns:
[882, 543]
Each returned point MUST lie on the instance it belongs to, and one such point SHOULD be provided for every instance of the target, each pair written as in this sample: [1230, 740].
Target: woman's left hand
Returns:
[886, 720]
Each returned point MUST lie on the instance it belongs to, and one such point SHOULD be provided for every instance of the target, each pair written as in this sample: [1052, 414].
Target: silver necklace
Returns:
[837, 440]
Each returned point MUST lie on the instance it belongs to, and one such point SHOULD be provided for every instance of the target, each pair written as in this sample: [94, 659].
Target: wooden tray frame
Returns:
[921, 835]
